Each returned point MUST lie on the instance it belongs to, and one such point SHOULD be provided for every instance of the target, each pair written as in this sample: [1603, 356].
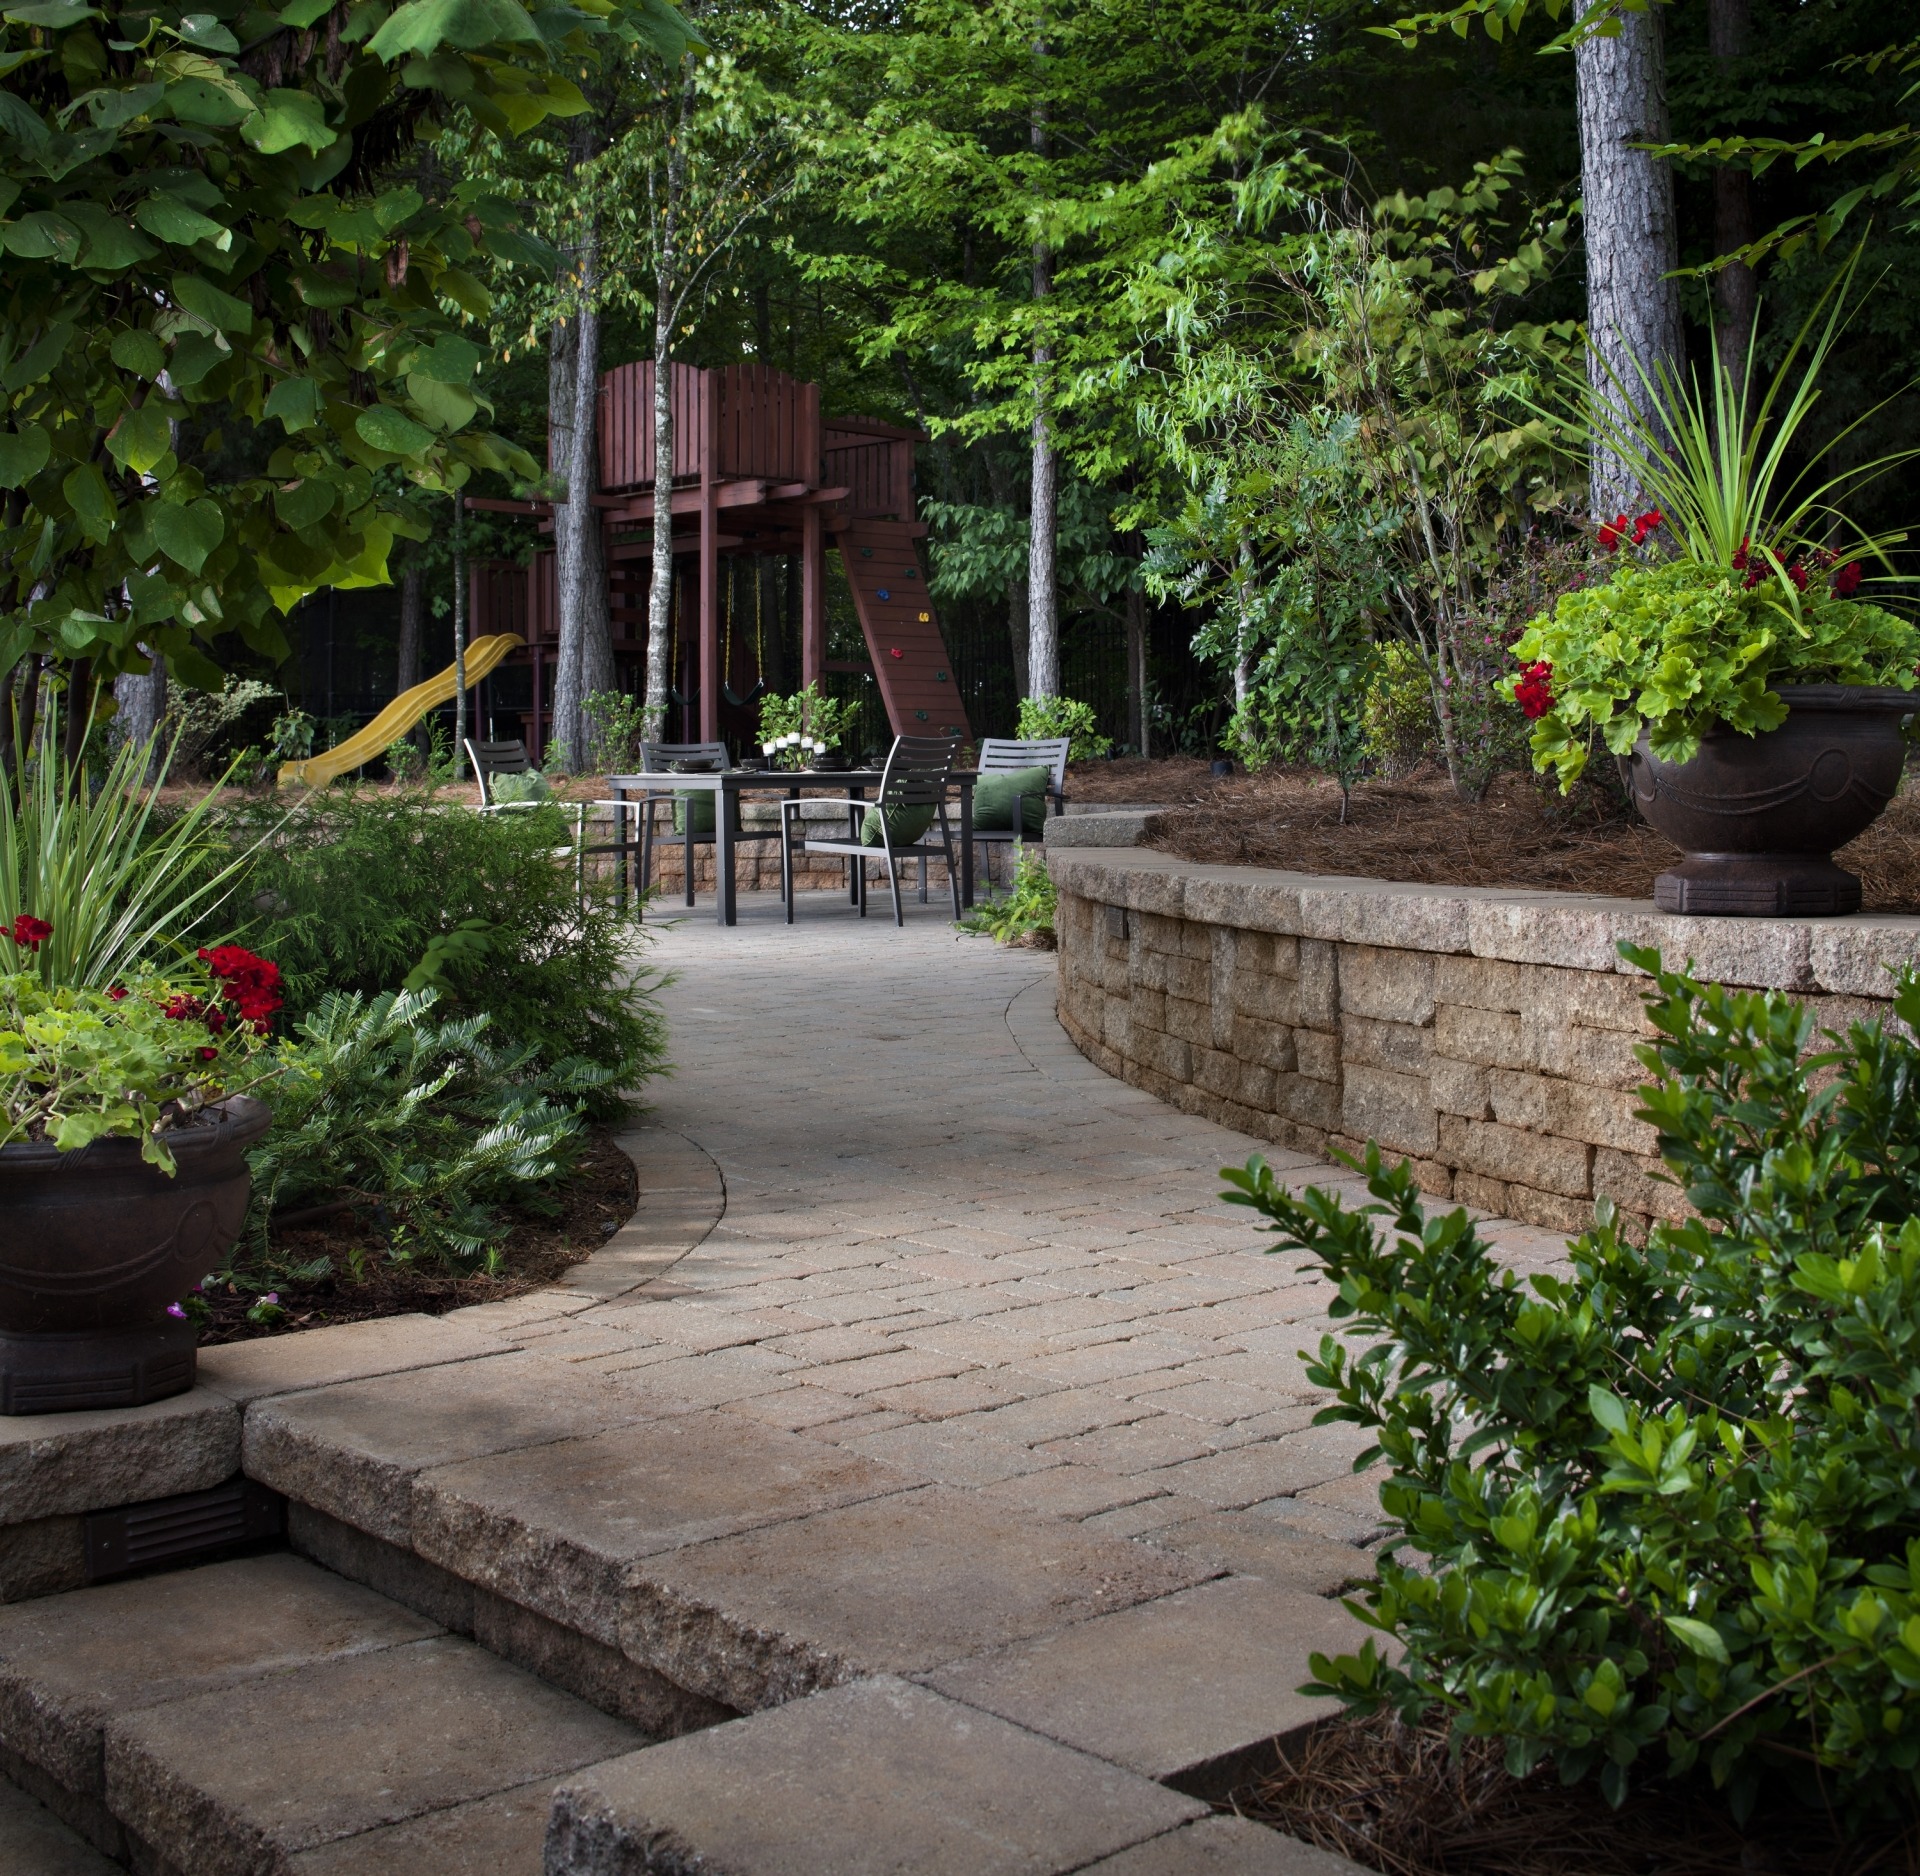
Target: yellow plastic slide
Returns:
[399, 716]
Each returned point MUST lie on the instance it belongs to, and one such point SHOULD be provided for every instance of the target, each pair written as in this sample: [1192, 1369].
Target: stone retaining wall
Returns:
[1487, 1036]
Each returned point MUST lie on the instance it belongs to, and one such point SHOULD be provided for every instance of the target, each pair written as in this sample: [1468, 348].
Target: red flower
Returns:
[1612, 531]
[251, 984]
[1798, 575]
[1847, 581]
[28, 931]
[1646, 524]
[118, 994]
[185, 1009]
[1740, 559]
[1534, 691]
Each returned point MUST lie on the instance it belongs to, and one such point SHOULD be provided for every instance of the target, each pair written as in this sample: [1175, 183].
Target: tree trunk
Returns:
[141, 707]
[413, 623]
[1139, 705]
[1043, 595]
[1736, 293]
[1019, 623]
[79, 717]
[583, 662]
[1633, 303]
[666, 288]
[1243, 630]
[460, 630]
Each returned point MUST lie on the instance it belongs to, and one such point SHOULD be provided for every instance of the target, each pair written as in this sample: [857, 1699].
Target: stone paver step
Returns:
[263, 1717]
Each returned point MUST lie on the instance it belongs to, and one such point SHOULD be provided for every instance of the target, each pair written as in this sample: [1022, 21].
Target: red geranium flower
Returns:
[250, 983]
[1847, 581]
[1612, 531]
[118, 994]
[1534, 691]
[1740, 559]
[1798, 575]
[28, 931]
[1646, 524]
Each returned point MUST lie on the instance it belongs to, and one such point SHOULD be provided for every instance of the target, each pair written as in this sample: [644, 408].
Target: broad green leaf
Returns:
[111, 107]
[19, 121]
[449, 360]
[92, 501]
[448, 406]
[304, 503]
[55, 15]
[1607, 1409]
[464, 291]
[295, 401]
[39, 358]
[141, 437]
[204, 300]
[187, 535]
[318, 289]
[421, 25]
[198, 101]
[1701, 1637]
[23, 454]
[384, 428]
[110, 243]
[172, 220]
[194, 355]
[42, 236]
[304, 13]
[394, 207]
[289, 120]
[206, 31]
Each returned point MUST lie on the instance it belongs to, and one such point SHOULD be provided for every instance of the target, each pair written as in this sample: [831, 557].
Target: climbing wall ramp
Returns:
[910, 662]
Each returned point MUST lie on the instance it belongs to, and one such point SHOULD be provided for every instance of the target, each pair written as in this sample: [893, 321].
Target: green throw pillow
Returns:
[528, 786]
[993, 800]
[699, 803]
[904, 826]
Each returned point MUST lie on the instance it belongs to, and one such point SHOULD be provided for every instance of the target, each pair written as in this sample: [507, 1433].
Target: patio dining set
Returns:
[920, 805]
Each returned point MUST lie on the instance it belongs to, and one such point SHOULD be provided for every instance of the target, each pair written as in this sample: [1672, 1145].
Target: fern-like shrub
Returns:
[362, 892]
[1027, 912]
[1661, 1514]
[424, 1127]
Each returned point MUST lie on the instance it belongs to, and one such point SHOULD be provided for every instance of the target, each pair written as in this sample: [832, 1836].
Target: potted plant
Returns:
[801, 731]
[124, 1129]
[1730, 659]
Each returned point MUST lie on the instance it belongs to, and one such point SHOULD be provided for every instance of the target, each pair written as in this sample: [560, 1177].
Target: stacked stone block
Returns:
[1489, 1038]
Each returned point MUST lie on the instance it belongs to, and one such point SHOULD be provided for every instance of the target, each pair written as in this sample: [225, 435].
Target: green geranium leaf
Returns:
[187, 535]
[23, 454]
[384, 428]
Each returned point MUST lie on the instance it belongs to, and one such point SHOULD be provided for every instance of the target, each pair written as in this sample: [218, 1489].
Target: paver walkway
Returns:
[953, 1244]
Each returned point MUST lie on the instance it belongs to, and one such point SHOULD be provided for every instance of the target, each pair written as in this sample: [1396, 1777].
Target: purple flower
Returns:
[272, 1296]
[174, 1309]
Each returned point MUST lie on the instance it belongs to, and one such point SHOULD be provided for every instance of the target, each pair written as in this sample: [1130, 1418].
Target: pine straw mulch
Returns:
[588, 1207]
[1394, 1799]
[1522, 835]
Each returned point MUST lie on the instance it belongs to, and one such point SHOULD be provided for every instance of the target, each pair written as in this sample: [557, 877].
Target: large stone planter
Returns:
[1760, 816]
[96, 1245]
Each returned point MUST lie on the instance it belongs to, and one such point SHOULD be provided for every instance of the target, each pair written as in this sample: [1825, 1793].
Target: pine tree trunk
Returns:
[1736, 293]
[1019, 622]
[141, 707]
[666, 288]
[584, 660]
[413, 632]
[1043, 595]
[1632, 243]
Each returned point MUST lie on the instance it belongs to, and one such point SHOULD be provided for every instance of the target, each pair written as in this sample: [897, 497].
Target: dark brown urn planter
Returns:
[96, 1244]
[1760, 816]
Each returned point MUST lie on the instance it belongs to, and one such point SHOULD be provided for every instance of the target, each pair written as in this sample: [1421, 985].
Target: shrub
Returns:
[404, 759]
[1027, 912]
[359, 890]
[430, 1126]
[1062, 716]
[1397, 717]
[1664, 1513]
[618, 723]
[808, 712]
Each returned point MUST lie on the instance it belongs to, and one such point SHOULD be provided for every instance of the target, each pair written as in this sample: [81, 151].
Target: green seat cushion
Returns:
[697, 802]
[904, 826]
[993, 800]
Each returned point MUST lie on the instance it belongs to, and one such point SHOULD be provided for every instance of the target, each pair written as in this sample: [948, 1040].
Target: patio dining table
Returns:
[728, 786]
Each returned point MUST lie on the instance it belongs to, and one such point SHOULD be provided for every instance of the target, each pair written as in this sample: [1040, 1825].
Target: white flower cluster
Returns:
[793, 749]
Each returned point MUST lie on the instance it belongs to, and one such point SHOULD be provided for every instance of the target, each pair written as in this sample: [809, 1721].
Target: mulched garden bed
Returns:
[588, 1207]
[1522, 835]
[1395, 1799]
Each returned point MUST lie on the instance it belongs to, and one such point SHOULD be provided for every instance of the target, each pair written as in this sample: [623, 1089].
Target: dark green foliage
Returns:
[1665, 1513]
[363, 892]
[425, 1128]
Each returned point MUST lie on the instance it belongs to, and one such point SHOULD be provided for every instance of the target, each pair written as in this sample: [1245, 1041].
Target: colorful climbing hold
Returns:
[884, 594]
